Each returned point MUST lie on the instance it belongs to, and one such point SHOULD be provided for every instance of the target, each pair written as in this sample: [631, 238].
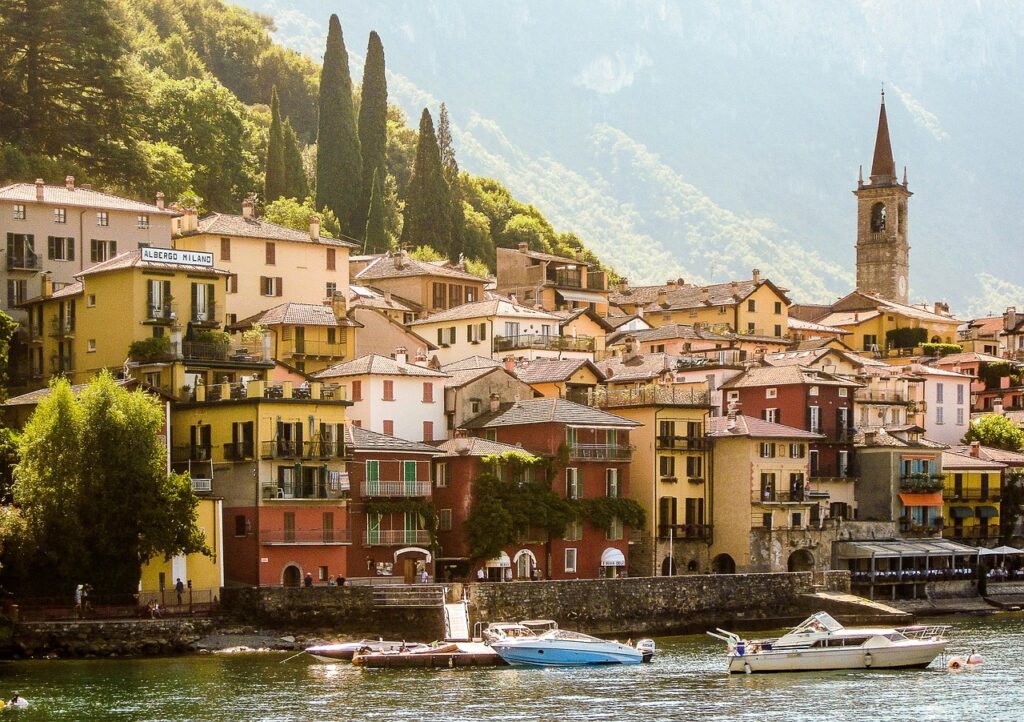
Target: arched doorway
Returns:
[723, 564]
[525, 563]
[613, 563]
[292, 576]
[668, 567]
[801, 561]
[413, 563]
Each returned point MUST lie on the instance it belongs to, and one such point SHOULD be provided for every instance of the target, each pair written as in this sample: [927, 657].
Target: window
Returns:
[570, 560]
[751, 328]
[92, 345]
[813, 391]
[19, 212]
[454, 295]
[60, 248]
[771, 393]
[330, 259]
[796, 520]
[16, 292]
[939, 392]
[428, 392]
[843, 392]
[231, 283]
[778, 331]
[573, 487]
[322, 572]
[778, 307]
[614, 529]
[389, 427]
[60, 215]
[271, 254]
[611, 483]
[102, 250]
[797, 451]
[870, 342]
[438, 295]
[767, 450]
[428, 430]
[90, 300]
[102, 218]
[694, 467]
[332, 288]
[389, 390]
[271, 286]
[939, 416]
[203, 306]
[771, 415]
[959, 417]
[332, 335]
[813, 418]
[573, 529]
[667, 467]
[441, 475]
[732, 396]
[767, 487]
[444, 520]
[751, 306]
[470, 294]
[158, 299]
[511, 329]
[959, 393]
[241, 525]
[373, 470]
[225, 249]
[357, 390]
[142, 222]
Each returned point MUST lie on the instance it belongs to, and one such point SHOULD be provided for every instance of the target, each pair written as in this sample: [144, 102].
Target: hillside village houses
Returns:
[336, 411]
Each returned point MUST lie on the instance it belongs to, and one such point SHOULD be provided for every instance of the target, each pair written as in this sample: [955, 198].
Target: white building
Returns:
[947, 403]
[392, 396]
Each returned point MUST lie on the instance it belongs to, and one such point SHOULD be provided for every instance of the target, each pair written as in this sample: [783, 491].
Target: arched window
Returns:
[878, 217]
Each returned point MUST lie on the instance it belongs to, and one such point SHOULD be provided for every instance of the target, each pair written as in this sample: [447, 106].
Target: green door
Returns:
[409, 476]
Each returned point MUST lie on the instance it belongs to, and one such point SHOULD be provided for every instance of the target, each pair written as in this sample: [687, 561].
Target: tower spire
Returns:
[883, 168]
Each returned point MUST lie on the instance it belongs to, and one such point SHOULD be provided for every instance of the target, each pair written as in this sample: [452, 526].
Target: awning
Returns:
[526, 552]
[1004, 550]
[612, 557]
[961, 512]
[501, 562]
[903, 548]
[985, 512]
[584, 296]
[932, 498]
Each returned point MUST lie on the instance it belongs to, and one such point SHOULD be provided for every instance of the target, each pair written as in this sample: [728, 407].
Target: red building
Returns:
[806, 399]
[390, 507]
[590, 454]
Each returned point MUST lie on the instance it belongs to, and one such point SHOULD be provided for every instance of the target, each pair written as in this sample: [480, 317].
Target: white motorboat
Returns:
[822, 643]
[560, 647]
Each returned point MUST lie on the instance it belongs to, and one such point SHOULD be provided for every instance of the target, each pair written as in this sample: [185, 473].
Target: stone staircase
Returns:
[409, 595]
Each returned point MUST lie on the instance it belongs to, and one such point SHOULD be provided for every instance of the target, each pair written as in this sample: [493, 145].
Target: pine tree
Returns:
[450, 169]
[427, 210]
[373, 124]
[376, 239]
[295, 183]
[338, 161]
[274, 181]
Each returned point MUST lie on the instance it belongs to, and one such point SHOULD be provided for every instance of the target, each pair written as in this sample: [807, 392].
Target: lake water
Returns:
[686, 681]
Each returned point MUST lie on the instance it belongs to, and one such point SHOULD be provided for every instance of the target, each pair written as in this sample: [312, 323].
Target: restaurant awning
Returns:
[1001, 550]
[612, 557]
[985, 512]
[903, 548]
[584, 296]
[933, 498]
[501, 562]
[961, 512]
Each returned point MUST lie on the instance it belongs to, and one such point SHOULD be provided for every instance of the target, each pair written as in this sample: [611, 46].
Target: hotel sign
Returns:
[181, 258]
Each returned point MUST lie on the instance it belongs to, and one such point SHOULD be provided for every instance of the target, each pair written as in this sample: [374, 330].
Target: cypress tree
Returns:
[338, 161]
[295, 183]
[427, 210]
[373, 124]
[450, 170]
[274, 181]
[376, 239]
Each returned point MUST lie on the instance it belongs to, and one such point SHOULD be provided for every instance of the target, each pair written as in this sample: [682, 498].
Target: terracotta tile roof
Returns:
[796, 358]
[79, 197]
[375, 364]
[620, 319]
[757, 376]
[295, 314]
[475, 446]
[797, 324]
[568, 315]
[399, 265]
[858, 300]
[472, 362]
[223, 224]
[991, 453]
[987, 326]
[457, 379]
[641, 367]
[674, 330]
[925, 370]
[968, 357]
[487, 309]
[32, 398]
[887, 437]
[550, 370]
[543, 411]
[718, 428]
[365, 440]
[687, 296]
[72, 289]
[369, 297]
[537, 255]
[848, 318]
[133, 259]
[953, 460]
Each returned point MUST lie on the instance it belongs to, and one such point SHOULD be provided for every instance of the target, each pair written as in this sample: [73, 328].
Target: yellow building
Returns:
[205, 574]
[971, 495]
[767, 514]
[424, 286]
[754, 307]
[309, 337]
[265, 261]
[559, 378]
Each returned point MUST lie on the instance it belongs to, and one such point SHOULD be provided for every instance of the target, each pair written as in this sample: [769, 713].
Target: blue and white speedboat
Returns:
[562, 648]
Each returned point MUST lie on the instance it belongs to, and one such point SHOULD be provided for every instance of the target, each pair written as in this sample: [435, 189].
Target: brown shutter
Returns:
[280, 286]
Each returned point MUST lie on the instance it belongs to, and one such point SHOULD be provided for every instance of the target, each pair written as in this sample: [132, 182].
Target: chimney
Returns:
[705, 296]
[671, 284]
[730, 424]
[69, 182]
[47, 285]
[399, 258]
[160, 200]
[339, 306]
[510, 364]
[869, 437]
[189, 222]
[640, 311]
[524, 247]
[387, 297]
[623, 285]
[314, 227]
[975, 449]
[495, 402]
[39, 189]
[757, 276]
[512, 298]
[734, 287]
[1009, 318]
[421, 357]
[247, 208]
[401, 356]
[516, 400]
[662, 297]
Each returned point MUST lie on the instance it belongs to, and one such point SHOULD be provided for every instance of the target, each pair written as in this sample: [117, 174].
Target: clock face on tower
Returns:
[901, 283]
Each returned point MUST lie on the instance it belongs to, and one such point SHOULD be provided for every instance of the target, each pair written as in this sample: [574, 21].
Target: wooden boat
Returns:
[452, 654]
[344, 651]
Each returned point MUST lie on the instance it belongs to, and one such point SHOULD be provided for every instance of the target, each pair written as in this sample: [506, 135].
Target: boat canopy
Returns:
[612, 557]
[903, 548]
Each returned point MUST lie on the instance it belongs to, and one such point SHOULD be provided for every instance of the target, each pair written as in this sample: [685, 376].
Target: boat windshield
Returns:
[817, 623]
[566, 635]
[540, 625]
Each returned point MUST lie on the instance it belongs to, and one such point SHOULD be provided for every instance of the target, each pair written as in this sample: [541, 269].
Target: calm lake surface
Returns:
[686, 681]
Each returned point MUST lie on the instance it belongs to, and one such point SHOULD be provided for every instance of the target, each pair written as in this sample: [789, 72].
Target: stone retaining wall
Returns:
[105, 638]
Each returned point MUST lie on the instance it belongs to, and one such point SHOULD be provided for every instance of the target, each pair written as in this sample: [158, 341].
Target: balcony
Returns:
[184, 453]
[396, 537]
[305, 537]
[836, 473]
[202, 486]
[23, 260]
[279, 449]
[207, 351]
[318, 489]
[60, 364]
[161, 313]
[35, 333]
[684, 531]
[601, 452]
[973, 495]
[263, 390]
[396, 488]
[972, 533]
[62, 327]
[883, 397]
[681, 443]
[921, 483]
[566, 278]
[838, 436]
[309, 349]
[544, 342]
[654, 395]
[767, 496]
[239, 451]
[918, 530]
[205, 315]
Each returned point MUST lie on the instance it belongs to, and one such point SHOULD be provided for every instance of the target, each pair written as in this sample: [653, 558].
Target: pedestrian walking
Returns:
[179, 587]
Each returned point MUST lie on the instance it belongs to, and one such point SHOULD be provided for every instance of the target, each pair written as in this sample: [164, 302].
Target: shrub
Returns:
[150, 349]
[941, 349]
[906, 337]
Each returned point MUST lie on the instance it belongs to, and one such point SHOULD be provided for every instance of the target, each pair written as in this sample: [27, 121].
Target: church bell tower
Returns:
[883, 254]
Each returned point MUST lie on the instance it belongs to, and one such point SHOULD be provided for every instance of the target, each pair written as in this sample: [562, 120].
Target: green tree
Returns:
[997, 431]
[373, 126]
[476, 236]
[338, 161]
[292, 214]
[295, 183]
[164, 168]
[7, 328]
[274, 185]
[426, 253]
[94, 490]
[401, 149]
[376, 236]
[427, 215]
[450, 170]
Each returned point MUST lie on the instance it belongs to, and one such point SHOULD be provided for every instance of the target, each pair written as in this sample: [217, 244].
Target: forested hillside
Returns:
[192, 97]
